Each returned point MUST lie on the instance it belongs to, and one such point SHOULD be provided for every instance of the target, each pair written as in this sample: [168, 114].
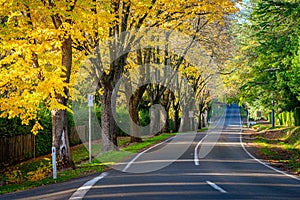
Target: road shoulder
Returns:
[279, 161]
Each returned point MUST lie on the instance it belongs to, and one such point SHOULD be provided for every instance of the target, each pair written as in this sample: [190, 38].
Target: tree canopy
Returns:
[43, 44]
[267, 56]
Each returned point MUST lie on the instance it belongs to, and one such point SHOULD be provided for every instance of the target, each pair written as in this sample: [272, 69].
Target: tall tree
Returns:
[154, 13]
[37, 59]
[268, 45]
[37, 64]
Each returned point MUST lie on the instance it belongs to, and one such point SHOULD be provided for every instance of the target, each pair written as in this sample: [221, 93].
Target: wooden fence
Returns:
[21, 147]
[16, 148]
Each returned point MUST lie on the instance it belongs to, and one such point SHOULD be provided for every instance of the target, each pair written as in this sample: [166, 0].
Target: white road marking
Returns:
[216, 187]
[137, 156]
[80, 192]
[196, 156]
[258, 160]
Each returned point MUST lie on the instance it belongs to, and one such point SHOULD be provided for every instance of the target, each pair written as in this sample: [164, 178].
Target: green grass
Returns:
[292, 137]
[270, 153]
[134, 148]
[266, 127]
[295, 164]
[18, 177]
[202, 130]
[81, 152]
[62, 176]
[112, 157]
[284, 148]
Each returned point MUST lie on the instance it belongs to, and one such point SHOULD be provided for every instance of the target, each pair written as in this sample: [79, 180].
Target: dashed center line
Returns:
[216, 187]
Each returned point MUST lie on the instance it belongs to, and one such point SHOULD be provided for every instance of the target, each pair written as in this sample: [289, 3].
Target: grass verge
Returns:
[280, 146]
[37, 172]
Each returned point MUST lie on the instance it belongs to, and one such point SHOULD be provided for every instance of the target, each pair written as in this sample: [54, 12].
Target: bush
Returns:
[144, 117]
[288, 118]
[11, 127]
[14, 176]
[40, 173]
[43, 141]
[297, 116]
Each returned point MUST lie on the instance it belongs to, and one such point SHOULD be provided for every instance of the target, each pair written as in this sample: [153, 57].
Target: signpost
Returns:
[90, 105]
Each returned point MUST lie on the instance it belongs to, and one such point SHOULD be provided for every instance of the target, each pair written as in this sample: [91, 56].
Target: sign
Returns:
[90, 100]
[54, 162]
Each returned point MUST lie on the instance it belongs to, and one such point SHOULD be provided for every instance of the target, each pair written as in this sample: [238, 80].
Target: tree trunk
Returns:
[200, 121]
[186, 123]
[166, 102]
[134, 122]
[60, 138]
[166, 128]
[176, 117]
[134, 99]
[154, 121]
[204, 119]
[108, 124]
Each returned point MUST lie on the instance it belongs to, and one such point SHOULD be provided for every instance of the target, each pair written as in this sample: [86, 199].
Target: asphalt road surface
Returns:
[210, 165]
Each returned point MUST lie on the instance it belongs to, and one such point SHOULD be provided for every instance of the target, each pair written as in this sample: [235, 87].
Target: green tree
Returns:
[267, 50]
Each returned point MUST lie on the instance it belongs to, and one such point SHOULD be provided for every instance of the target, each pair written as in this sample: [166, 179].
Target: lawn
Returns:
[38, 171]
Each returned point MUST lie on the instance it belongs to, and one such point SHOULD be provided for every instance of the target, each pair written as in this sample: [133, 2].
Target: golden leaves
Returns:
[31, 73]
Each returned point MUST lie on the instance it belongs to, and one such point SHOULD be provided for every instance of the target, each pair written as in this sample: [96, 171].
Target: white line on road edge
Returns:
[80, 192]
[137, 156]
[216, 187]
[261, 162]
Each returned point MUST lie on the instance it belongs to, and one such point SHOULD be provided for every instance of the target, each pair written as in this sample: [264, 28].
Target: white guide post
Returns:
[90, 105]
[54, 162]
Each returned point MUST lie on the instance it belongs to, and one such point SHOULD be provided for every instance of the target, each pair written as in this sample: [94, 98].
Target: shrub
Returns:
[297, 116]
[43, 141]
[14, 176]
[40, 173]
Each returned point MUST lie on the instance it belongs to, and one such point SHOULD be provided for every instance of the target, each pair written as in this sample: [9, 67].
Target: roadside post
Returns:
[90, 105]
[54, 162]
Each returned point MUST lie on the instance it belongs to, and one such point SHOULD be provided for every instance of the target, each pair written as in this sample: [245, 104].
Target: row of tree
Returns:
[266, 66]
[44, 44]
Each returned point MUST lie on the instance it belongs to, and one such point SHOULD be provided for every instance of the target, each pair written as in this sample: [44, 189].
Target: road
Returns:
[226, 171]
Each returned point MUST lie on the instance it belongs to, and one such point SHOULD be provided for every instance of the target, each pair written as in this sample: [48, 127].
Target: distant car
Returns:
[250, 123]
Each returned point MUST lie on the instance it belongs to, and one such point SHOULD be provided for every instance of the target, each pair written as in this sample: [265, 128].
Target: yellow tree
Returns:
[134, 14]
[37, 62]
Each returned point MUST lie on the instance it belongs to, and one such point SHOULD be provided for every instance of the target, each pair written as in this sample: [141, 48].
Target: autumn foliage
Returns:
[43, 44]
